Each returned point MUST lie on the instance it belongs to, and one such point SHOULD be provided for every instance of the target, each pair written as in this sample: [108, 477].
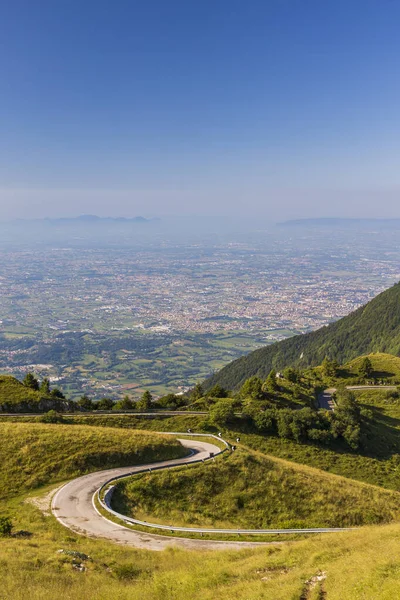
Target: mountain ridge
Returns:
[340, 222]
[88, 220]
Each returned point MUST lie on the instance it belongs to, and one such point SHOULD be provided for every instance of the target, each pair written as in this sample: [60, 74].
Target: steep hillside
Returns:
[374, 327]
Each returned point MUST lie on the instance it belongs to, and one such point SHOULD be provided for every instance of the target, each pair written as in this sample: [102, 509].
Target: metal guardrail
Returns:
[106, 503]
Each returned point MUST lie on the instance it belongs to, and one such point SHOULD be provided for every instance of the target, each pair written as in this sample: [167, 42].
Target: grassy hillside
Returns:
[385, 366]
[374, 327]
[376, 462]
[33, 454]
[13, 391]
[359, 565]
[16, 397]
[249, 490]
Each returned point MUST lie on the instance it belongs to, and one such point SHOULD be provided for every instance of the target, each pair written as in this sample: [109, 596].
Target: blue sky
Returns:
[285, 108]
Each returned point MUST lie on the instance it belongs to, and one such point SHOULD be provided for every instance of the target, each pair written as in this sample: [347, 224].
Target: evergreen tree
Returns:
[31, 382]
[45, 386]
[329, 367]
[252, 388]
[291, 375]
[197, 392]
[85, 403]
[271, 384]
[145, 401]
[365, 369]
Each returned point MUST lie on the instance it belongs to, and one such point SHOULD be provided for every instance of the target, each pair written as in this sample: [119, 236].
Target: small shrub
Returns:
[392, 395]
[51, 416]
[125, 572]
[6, 526]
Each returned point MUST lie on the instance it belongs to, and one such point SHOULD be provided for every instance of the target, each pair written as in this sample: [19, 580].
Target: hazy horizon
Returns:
[282, 110]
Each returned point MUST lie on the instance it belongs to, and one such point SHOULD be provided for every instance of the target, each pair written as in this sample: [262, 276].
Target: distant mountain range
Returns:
[340, 222]
[89, 220]
[374, 327]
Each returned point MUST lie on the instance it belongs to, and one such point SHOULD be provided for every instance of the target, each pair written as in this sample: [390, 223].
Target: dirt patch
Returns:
[43, 503]
[310, 584]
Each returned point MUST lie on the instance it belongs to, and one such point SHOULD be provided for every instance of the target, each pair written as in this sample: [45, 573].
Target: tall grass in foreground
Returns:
[361, 565]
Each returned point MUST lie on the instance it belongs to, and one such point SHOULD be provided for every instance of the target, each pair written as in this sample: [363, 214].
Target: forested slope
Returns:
[374, 327]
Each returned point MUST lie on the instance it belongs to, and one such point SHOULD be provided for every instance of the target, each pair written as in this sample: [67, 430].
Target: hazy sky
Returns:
[283, 108]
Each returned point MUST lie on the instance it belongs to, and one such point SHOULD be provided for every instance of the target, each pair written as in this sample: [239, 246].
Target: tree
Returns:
[284, 423]
[329, 367]
[347, 406]
[270, 383]
[145, 401]
[291, 375]
[30, 381]
[217, 392]
[323, 436]
[171, 401]
[56, 393]
[85, 403]
[222, 412]
[352, 436]
[124, 404]
[45, 386]
[105, 404]
[197, 392]
[265, 421]
[252, 388]
[365, 369]
[303, 420]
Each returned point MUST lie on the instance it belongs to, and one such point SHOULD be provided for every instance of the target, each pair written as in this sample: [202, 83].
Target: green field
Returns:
[161, 365]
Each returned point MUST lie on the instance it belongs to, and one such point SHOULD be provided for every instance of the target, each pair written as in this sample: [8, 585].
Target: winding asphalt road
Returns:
[325, 399]
[73, 506]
